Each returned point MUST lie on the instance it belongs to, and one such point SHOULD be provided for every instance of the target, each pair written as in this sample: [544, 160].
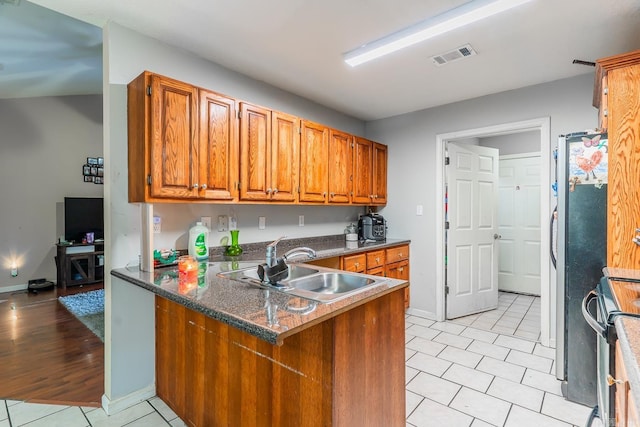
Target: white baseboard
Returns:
[112, 407]
[421, 313]
[14, 288]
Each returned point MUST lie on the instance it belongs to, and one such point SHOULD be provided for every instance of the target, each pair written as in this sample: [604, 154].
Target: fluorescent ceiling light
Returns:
[466, 14]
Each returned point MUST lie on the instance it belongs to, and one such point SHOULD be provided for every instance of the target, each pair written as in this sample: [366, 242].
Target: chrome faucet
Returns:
[275, 269]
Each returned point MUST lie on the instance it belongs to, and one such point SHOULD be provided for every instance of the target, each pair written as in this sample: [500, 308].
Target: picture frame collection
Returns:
[93, 170]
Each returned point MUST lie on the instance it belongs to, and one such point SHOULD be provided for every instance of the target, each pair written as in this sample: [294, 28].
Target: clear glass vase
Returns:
[234, 249]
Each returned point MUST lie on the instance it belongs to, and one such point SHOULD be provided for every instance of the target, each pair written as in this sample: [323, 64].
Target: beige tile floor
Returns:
[456, 375]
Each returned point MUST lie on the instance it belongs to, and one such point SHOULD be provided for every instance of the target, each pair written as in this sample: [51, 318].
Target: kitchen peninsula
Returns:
[233, 353]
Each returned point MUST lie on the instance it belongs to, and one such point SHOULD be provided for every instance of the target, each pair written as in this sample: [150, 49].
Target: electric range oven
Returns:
[600, 318]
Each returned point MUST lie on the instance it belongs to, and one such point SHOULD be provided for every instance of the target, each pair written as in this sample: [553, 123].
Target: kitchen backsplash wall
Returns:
[280, 221]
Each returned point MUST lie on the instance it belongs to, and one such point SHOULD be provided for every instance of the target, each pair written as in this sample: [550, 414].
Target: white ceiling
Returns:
[297, 45]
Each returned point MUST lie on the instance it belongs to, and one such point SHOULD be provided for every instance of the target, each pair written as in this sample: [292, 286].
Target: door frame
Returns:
[543, 125]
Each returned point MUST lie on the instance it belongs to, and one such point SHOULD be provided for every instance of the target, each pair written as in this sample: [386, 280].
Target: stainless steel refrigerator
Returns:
[581, 244]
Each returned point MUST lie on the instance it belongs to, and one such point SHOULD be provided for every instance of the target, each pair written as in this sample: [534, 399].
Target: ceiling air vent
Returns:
[453, 55]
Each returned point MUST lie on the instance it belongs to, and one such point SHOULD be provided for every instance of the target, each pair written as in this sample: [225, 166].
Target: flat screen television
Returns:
[83, 215]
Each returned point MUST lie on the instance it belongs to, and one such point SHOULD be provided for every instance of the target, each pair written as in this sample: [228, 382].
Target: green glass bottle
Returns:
[234, 249]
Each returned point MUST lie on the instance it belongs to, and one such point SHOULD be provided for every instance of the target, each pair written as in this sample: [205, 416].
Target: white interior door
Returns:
[472, 261]
[519, 224]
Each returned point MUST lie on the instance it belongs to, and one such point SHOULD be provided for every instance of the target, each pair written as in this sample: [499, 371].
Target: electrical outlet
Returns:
[157, 224]
[14, 271]
[419, 210]
[233, 222]
[206, 221]
[223, 223]
[262, 222]
[300, 220]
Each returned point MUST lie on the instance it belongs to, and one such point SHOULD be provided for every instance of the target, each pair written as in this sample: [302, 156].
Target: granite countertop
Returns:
[628, 329]
[265, 313]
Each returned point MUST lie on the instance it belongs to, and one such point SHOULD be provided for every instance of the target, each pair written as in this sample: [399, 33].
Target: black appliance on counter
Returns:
[582, 237]
[372, 227]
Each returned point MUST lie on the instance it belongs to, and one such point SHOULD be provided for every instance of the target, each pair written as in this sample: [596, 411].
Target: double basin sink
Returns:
[315, 283]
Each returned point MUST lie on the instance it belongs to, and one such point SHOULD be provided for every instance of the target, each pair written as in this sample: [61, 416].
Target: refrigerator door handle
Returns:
[595, 325]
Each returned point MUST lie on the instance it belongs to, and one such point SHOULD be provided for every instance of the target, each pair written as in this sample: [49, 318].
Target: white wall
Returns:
[45, 142]
[412, 137]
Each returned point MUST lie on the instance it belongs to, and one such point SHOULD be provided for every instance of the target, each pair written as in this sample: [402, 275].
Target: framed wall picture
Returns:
[92, 161]
[100, 161]
[98, 180]
[100, 171]
[86, 170]
[88, 178]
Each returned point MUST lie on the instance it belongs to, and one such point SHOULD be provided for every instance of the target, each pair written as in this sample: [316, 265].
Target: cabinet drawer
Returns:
[397, 254]
[378, 271]
[398, 270]
[375, 259]
[356, 263]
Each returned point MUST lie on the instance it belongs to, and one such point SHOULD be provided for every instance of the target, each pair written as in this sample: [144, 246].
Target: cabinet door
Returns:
[285, 157]
[400, 270]
[340, 164]
[362, 161]
[218, 147]
[355, 263]
[379, 180]
[255, 159]
[313, 162]
[623, 195]
[174, 152]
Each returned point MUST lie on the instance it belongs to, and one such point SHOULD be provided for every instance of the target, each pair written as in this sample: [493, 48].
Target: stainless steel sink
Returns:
[251, 274]
[321, 284]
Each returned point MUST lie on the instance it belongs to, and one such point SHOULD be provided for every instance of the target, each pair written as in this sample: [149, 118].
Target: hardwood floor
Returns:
[46, 354]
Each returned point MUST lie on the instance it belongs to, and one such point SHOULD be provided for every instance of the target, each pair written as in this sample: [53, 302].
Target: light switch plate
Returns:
[223, 223]
[206, 221]
[301, 220]
[262, 222]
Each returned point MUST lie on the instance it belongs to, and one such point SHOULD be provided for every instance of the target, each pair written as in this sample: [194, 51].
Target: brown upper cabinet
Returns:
[340, 167]
[173, 152]
[617, 94]
[369, 172]
[314, 155]
[191, 144]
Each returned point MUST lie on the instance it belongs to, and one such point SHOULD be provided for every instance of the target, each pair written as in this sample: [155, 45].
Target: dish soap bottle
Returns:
[199, 242]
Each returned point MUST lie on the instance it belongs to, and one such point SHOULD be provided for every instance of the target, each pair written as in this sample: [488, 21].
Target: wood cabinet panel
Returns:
[340, 166]
[398, 253]
[212, 374]
[362, 161]
[622, 74]
[379, 178]
[255, 159]
[375, 259]
[625, 410]
[285, 157]
[174, 154]
[314, 153]
[356, 263]
[218, 147]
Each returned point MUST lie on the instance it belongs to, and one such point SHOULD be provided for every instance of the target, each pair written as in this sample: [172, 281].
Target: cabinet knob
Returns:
[375, 196]
[332, 195]
[195, 185]
[275, 190]
[378, 259]
[611, 381]
[324, 194]
[400, 269]
[269, 190]
[400, 254]
[357, 264]
[371, 196]
[204, 186]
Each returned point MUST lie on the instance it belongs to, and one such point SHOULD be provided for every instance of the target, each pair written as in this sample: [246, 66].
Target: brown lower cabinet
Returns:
[391, 262]
[626, 415]
[345, 371]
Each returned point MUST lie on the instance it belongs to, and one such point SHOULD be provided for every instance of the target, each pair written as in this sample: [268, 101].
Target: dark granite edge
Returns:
[262, 333]
[629, 356]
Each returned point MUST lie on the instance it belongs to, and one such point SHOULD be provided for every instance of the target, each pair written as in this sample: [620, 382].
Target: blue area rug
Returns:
[88, 307]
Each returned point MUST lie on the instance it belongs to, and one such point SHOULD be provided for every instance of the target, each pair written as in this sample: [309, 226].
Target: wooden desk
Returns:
[79, 264]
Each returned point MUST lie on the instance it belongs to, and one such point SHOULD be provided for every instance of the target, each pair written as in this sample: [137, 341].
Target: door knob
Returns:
[497, 236]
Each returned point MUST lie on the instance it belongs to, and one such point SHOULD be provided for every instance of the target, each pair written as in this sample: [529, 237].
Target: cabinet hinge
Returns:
[350, 177]
[149, 90]
[446, 289]
[446, 225]
[446, 161]
[239, 114]
[353, 145]
[300, 131]
[238, 185]
[148, 179]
